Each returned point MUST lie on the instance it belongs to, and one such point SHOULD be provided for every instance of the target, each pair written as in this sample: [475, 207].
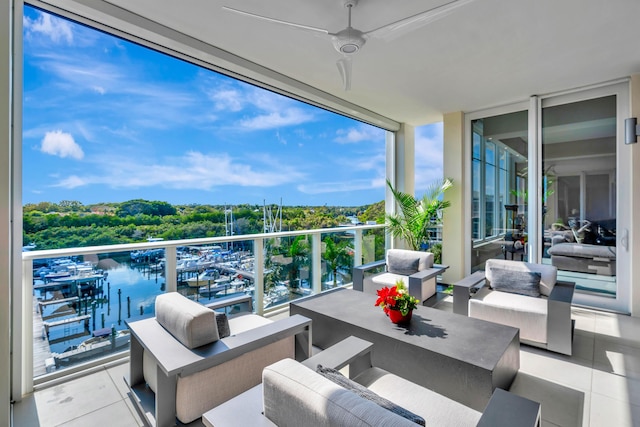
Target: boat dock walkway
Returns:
[42, 356]
[84, 318]
[43, 304]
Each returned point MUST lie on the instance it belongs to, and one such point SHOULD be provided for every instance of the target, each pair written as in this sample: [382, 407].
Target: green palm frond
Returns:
[417, 216]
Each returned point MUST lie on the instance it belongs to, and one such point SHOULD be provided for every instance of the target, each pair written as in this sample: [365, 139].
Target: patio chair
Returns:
[415, 268]
[315, 393]
[183, 363]
[523, 295]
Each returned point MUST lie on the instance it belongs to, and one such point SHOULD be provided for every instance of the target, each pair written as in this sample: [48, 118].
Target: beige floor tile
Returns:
[616, 386]
[561, 405]
[117, 374]
[585, 320]
[612, 357]
[609, 412]
[620, 328]
[569, 371]
[115, 415]
[583, 346]
[70, 400]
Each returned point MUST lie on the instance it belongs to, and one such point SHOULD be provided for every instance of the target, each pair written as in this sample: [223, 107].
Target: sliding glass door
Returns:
[499, 187]
[583, 210]
[548, 184]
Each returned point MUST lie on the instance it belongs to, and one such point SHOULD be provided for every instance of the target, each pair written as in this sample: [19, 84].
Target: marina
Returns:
[81, 308]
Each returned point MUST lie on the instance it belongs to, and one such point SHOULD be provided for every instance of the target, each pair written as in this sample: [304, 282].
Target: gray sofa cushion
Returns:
[548, 273]
[402, 265]
[294, 395]
[190, 323]
[425, 258]
[365, 393]
[516, 282]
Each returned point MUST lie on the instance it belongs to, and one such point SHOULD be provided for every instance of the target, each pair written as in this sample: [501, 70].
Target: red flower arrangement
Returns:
[396, 298]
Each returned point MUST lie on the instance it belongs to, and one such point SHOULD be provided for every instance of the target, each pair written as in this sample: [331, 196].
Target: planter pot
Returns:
[396, 316]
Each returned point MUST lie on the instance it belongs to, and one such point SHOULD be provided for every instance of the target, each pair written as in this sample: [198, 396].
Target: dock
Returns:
[43, 304]
[42, 357]
[84, 318]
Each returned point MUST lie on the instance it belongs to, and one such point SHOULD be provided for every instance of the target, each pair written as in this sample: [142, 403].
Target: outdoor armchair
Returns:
[523, 295]
[181, 368]
[415, 268]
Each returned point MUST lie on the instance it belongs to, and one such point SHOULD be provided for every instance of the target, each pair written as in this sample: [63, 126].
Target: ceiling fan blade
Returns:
[344, 67]
[398, 28]
[277, 21]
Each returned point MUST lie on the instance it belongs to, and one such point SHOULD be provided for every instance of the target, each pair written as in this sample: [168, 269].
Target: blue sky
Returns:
[108, 121]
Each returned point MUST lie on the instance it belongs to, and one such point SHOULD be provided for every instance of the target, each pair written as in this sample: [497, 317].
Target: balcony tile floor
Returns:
[598, 386]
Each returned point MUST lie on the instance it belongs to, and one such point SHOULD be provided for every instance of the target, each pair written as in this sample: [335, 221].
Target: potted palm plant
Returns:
[417, 216]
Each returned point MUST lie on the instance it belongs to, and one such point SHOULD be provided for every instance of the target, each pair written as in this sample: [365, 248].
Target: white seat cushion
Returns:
[389, 279]
[436, 409]
[529, 314]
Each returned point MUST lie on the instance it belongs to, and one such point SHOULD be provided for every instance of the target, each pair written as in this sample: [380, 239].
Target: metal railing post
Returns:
[316, 262]
[171, 273]
[357, 247]
[258, 275]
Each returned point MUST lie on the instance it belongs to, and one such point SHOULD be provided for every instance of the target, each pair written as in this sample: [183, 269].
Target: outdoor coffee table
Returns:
[457, 356]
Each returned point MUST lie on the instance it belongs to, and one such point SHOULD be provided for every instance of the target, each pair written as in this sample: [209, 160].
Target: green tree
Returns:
[418, 216]
[299, 253]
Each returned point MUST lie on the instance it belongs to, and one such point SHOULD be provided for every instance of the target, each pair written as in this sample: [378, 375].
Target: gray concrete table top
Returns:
[457, 356]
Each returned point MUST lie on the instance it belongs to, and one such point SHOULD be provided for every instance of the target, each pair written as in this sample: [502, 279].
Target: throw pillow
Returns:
[516, 282]
[402, 265]
[344, 382]
[223, 324]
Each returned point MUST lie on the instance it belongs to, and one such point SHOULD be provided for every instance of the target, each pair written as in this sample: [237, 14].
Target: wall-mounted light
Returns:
[631, 130]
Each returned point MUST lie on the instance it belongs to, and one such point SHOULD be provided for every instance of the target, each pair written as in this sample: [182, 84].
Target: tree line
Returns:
[73, 224]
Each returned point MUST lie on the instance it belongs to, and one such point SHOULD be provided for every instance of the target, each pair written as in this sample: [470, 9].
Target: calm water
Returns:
[127, 294]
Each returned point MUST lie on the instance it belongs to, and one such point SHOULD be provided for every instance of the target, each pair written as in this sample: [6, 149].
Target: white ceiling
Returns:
[483, 54]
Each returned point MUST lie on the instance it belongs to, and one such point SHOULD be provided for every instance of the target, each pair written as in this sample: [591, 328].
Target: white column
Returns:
[456, 226]
[400, 167]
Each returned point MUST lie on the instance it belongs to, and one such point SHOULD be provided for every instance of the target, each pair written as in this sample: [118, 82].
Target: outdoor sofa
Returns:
[187, 359]
[297, 394]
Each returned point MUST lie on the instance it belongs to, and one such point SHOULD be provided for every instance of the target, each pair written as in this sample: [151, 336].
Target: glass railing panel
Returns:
[213, 272]
[83, 298]
[288, 269]
[83, 303]
[373, 245]
[338, 249]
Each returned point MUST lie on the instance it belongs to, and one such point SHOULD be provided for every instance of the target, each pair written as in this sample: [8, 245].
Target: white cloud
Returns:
[54, 28]
[193, 171]
[61, 144]
[100, 90]
[276, 119]
[429, 156]
[358, 134]
[227, 99]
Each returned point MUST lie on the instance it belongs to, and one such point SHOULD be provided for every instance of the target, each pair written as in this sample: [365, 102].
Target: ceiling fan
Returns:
[350, 40]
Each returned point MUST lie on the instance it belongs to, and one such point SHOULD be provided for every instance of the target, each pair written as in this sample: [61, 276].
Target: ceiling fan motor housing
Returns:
[349, 41]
